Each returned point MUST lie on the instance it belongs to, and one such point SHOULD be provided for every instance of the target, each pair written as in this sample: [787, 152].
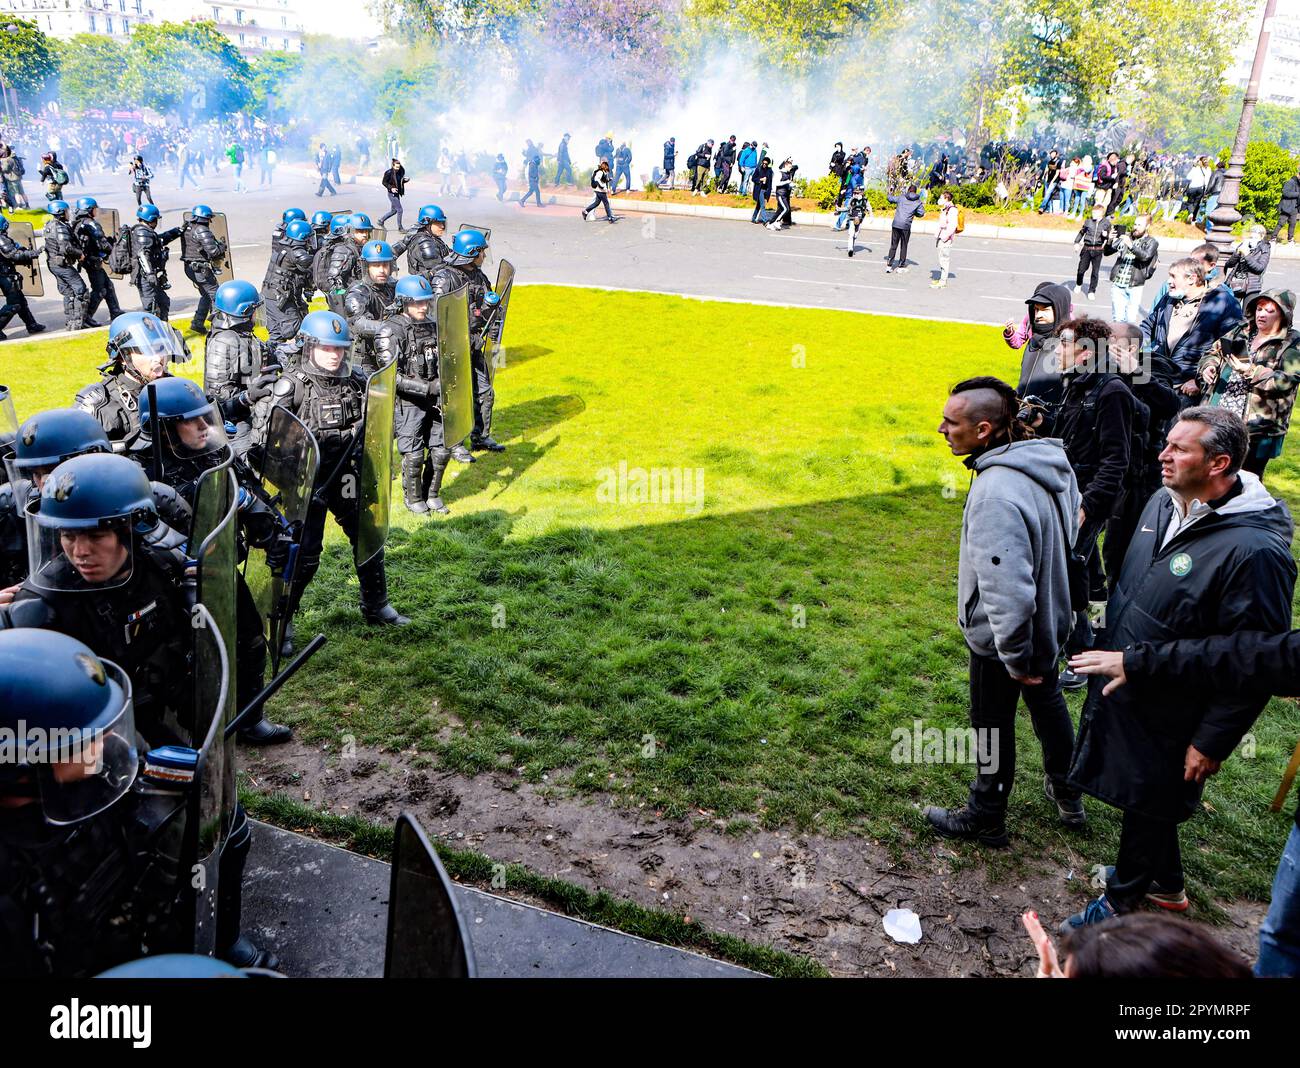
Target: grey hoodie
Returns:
[1013, 589]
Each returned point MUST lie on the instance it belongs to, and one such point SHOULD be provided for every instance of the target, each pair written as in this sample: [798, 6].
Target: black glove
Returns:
[261, 386]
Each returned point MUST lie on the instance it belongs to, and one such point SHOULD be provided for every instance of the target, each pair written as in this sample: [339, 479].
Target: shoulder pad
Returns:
[92, 398]
[28, 610]
[286, 385]
[7, 502]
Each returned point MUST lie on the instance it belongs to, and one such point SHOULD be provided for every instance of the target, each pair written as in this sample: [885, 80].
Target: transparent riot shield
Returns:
[486, 231]
[8, 423]
[224, 268]
[455, 373]
[110, 222]
[29, 274]
[376, 465]
[290, 461]
[493, 351]
[214, 547]
[427, 934]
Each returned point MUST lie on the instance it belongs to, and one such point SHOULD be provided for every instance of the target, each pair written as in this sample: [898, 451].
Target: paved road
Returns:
[712, 258]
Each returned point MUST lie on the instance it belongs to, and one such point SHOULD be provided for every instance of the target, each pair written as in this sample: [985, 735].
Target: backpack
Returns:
[961, 220]
[692, 161]
[59, 175]
[119, 259]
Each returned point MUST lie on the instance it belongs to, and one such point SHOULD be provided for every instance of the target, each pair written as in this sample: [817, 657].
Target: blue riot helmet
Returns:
[326, 345]
[466, 246]
[189, 425]
[339, 223]
[85, 205]
[57, 207]
[180, 966]
[236, 303]
[144, 345]
[431, 213]
[292, 215]
[48, 438]
[298, 230]
[378, 252]
[73, 724]
[412, 289]
[81, 530]
[320, 221]
[148, 213]
[201, 213]
[359, 223]
[4, 225]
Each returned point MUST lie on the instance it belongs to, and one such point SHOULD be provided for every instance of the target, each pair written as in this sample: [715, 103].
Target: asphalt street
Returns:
[710, 258]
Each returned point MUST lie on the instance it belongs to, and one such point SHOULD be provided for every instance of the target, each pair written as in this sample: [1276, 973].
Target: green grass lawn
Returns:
[761, 642]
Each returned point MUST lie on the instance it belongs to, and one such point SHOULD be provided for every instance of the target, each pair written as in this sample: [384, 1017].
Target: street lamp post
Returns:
[1226, 215]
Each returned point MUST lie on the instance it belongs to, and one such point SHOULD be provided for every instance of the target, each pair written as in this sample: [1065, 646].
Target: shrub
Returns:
[826, 191]
[1268, 166]
[979, 195]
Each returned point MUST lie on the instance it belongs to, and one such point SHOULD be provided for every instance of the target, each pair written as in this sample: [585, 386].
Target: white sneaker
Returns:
[1092, 296]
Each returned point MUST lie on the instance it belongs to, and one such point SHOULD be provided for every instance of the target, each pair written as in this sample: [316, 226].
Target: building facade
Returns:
[1281, 80]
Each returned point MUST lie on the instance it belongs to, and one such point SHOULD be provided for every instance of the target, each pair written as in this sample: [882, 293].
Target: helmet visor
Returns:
[193, 436]
[82, 771]
[8, 423]
[326, 360]
[78, 559]
[149, 341]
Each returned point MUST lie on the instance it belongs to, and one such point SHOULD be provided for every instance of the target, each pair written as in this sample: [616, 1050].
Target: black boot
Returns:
[481, 438]
[286, 643]
[232, 945]
[434, 469]
[264, 732]
[963, 823]
[461, 454]
[412, 484]
[486, 442]
[374, 595]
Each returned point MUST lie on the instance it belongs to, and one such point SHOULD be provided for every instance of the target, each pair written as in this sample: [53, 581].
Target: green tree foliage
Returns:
[272, 74]
[190, 68]
[1268, 166]
[28, 58]
[91, 69]
[791, 32]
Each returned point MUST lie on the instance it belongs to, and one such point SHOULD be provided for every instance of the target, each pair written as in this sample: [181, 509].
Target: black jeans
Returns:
[993, 698]
[394, 208]
[899, 236]
[1289, 218]
[1089, 257]
[602, 198]
[1148, 853]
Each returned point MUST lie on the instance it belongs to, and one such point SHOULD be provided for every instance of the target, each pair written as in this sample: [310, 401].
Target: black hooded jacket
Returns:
[1039, 374]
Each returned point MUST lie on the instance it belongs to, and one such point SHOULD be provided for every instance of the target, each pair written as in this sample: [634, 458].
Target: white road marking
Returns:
[817, 282]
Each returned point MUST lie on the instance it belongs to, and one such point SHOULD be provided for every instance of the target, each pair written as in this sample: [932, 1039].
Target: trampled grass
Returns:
[748, 651]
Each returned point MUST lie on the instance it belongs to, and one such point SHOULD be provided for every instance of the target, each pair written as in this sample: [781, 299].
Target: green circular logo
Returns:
[1181, 564]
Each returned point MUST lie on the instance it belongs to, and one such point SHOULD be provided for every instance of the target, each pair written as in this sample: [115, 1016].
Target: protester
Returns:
[907, 207]
[394, 183]
[1050, 179]
[1040, 373]
[323, 169]
[762, 190]
[699, 166]
[600, 186]
[943, 238]
[1136, 256]
[670, 161]
[1288, 207]
[745, 163]
[1211, 556]
[141, 176]
[1243, 270]
[1184, 323]
[53, 175]
[563, 163]
[783, 188]
[500, 169]
[1090, 243]
[623, 166]
[1013, 597]
[1254, 371]
[1139, 946]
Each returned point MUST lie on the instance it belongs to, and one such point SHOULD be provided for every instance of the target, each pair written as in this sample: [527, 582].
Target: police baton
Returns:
[250, 710]
[155, 438]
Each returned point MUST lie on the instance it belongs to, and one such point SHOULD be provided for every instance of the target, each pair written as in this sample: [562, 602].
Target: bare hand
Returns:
[7, 594]
[1083, 516]
[1197, 767]
[1189, 388]
[1048, 965]
[1210, 375]
[1101, 662]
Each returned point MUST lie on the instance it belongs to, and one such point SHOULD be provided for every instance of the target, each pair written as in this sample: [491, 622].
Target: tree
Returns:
[272, 75]
[91, 68]
[190, 68]
[1267, 167]
[27, 57]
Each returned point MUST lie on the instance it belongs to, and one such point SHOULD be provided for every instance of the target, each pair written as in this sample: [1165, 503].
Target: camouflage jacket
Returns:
[1268, 409]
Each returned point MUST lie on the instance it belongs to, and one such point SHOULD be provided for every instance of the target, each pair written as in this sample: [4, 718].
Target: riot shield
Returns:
[493, 351]
[376, 485]
[455, 373]
[110, 222]
[8, 423]
[427, 935]
[212, 804]
[290, 460]
[224, 268]
[486, 231]
[29, 274]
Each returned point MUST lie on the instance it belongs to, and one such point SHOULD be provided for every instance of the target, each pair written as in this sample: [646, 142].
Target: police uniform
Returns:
[115, 402]
[149, 267]
[448, 279]
[200, 249]
[95, 246]
[417, 418]
[15, 300]
[233, 358]
[288, 278]
[343, 268]
[62, 255]
[365, 306]
[425, 251]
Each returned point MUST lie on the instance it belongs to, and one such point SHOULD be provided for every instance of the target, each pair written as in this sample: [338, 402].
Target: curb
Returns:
[827, 219]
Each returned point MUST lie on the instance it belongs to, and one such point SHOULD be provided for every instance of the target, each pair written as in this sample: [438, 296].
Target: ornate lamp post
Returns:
[1225, 214]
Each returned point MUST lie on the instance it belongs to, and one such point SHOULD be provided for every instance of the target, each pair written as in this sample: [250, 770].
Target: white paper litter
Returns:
[903, 925]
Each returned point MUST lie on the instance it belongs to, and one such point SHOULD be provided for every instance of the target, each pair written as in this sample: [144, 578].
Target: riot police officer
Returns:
[238, 368]
[15, 300]
[320, 228]
[149, 260]
[69, 885]
[201, 250]
[344, 266]
[326, 393]
[335, 233]
[192, 441]
[463, 265]
[63, 255]
[95, 247]
[141, 348]
[287, 285]
[105, 574]
[425, 249]
[368, 301]
[43, 442]
[286, 217]
[411, 337]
